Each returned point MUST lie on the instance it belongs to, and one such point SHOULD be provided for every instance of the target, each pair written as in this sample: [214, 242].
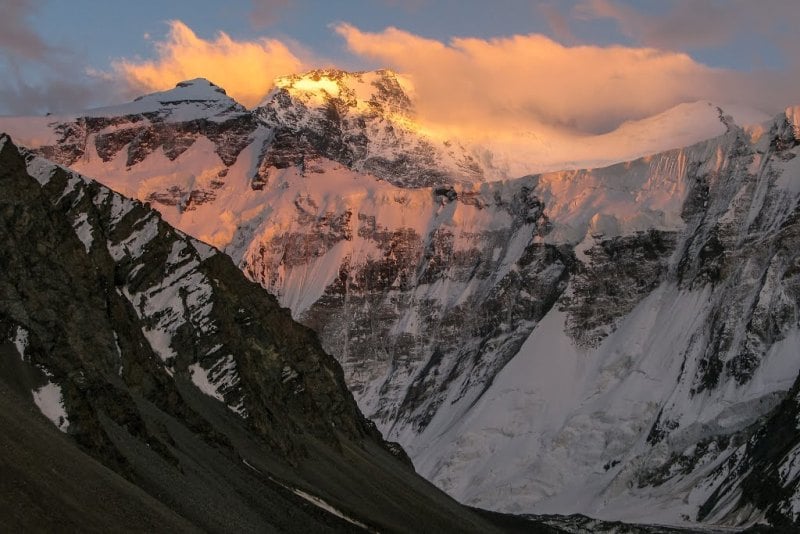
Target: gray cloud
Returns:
[267, 12]
[17, 37]
[53, 95]
[693, 24]
[38, 76]
[715, 24]
[557, 21]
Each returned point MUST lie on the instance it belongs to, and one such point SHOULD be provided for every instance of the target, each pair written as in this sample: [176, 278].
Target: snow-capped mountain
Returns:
[619, 342]
[194, 135]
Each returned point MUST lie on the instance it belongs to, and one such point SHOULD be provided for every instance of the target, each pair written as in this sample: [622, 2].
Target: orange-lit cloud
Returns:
[478, 87]
[530, 80]
[245, 69]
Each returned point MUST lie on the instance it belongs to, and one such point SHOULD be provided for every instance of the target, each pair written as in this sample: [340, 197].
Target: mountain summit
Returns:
[191, 99]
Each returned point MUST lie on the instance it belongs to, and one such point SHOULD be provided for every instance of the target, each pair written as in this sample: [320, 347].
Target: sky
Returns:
[584, 65]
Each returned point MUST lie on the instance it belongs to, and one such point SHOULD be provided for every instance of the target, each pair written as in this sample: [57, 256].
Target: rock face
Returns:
[619, 272]
[157, 358]
[634, 327]
[170, 121]
[166, 125]
[618, 342]
[182, 314]
[418, 314]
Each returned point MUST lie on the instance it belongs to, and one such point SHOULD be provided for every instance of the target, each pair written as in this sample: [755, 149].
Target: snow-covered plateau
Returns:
[621, 342]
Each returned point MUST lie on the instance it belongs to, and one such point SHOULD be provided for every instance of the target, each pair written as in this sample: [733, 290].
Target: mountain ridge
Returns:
[348, 104]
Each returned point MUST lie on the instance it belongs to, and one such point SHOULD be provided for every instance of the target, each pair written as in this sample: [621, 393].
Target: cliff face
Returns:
[414, 311]
[183, 308]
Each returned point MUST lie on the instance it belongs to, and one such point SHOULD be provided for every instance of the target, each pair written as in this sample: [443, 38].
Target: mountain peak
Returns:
[362, 90]
[363, 120]
[199, 89]
[188, 100]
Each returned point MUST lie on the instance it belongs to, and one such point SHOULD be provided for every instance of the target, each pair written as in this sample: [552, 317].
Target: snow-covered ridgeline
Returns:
[363, 120]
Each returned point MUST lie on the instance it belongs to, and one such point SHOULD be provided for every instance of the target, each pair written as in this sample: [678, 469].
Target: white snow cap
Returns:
[198, 89]
[188, 100]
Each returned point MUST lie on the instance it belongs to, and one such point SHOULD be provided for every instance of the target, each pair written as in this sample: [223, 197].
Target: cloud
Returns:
[39, 77]
[17, 36]
[678, 29]
[556, 20]
[54, 94]
[246, 69]
[694, 24]
[531, 80]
